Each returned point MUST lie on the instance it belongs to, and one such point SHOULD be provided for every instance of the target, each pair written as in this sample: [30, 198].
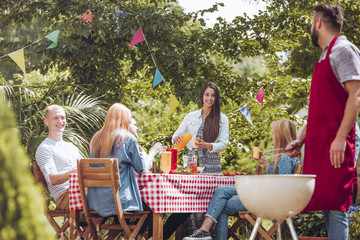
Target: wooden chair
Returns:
[107, 175]
[52, 214]
[251, 218]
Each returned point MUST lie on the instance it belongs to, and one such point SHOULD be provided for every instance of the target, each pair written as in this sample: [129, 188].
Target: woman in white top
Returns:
[210, 126]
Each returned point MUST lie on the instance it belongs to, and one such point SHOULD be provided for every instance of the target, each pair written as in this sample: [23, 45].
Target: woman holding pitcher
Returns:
[210, 128]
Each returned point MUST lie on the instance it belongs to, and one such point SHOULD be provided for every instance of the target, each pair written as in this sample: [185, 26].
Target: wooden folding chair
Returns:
[105, 173]
[52, 214]
[251, 218]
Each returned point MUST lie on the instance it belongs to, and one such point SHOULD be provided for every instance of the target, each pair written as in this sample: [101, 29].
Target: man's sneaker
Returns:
[199, 234]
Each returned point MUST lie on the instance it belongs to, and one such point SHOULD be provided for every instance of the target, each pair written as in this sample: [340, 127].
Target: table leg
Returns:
[73, 224]
[158, 226]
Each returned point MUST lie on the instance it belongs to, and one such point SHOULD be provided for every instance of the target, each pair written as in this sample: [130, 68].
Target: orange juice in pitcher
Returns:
[185, 138]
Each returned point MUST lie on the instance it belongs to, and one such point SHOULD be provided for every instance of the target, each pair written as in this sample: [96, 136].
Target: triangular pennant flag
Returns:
[260, 96]
[123, 14]
[120, 23]
[86, 16]
[157, 78]
[245, 111]
[173, 104]
[18, 57]
[54, 37]
[138, 37]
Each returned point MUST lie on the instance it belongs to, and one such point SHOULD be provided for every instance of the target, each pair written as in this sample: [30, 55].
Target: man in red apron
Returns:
[329, 136]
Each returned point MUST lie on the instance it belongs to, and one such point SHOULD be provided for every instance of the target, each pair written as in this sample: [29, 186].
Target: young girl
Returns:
[225, 200]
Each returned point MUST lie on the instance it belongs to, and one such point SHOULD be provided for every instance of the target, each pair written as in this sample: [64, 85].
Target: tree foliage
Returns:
[271, 49]
[29, 98]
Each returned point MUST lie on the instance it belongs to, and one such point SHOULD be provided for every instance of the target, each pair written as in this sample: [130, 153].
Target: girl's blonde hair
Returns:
[284, 132]
[116, 126]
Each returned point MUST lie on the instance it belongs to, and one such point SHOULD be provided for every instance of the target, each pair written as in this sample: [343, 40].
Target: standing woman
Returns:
[210, 126]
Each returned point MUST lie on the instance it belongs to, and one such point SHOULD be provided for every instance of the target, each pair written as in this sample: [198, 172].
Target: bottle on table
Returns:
[186, 161]
[156, 164]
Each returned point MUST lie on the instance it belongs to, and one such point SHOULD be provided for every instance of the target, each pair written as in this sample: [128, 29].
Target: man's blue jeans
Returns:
[224, 202]
[337, 225]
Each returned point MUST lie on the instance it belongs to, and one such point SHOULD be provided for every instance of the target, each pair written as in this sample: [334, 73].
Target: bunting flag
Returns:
[245, 111]
[54, 37]
[86, 16]
[173, 104]
[138, 37]
[157, 78]
[260, 96]
[120, 23]
[18, 57]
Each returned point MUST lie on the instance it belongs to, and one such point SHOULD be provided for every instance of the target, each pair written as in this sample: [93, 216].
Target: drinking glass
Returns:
[166, 162]
[195, 143]
[193, 167]
[256, 152]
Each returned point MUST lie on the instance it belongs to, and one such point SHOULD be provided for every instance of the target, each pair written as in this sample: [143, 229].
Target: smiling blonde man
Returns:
[57, 158]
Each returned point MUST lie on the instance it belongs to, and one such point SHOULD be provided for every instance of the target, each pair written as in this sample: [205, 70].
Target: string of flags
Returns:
[245, 110]
[18, 55]
[18, 58]
[158, 78]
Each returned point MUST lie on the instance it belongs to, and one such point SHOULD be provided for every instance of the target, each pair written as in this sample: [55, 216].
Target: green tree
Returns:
[21, 201]
[271, 49]
[30, 97]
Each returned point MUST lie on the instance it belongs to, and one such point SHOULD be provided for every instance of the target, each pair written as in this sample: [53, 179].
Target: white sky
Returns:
[231, 9]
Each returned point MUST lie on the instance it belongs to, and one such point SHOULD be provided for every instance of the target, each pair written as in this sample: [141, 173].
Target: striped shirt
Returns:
[344, 60]
[56, 157]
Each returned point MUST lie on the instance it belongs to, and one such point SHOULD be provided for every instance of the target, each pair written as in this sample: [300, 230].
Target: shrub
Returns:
[21, 201]
[354, 222]
[310, 224]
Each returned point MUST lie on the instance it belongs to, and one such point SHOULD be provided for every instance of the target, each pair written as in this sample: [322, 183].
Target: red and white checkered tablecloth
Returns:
[75, 202]
[168, 193]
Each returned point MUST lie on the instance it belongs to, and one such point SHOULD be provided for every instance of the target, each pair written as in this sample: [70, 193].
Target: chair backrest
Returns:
[297, 169]
[100, 172]
[39, 177]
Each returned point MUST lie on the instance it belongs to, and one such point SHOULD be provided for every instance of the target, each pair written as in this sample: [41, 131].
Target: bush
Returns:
[21, 201]
[354, 222]
[309, 224]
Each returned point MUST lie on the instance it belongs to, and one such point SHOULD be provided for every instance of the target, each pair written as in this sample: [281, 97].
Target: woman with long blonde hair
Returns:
[225, 200]
[114, 141]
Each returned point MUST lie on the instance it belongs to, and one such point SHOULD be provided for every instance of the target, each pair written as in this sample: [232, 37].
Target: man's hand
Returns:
[293, 148]
[337, 152]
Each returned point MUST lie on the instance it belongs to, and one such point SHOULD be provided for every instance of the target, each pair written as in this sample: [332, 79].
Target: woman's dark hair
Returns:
[212, 121]
[332, 15]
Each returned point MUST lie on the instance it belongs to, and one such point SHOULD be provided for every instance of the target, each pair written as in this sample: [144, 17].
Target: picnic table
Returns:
[164, 193]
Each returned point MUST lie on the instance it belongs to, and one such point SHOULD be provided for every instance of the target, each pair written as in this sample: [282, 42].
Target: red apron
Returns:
[333, 187]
